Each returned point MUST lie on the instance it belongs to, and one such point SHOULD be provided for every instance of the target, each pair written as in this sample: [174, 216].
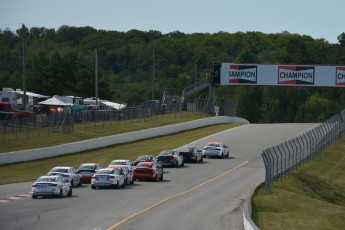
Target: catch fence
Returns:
[14, 128]
[280, 160]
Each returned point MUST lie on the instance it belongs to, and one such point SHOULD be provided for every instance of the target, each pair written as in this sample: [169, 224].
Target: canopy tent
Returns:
[114, 105]
[92, 101]
[54, 101]
[32, 94]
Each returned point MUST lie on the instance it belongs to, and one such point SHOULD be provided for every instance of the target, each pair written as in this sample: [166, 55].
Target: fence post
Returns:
[266, 163]
[285, 160]
[276, 174]
[288, 155]
[321, 142]
[271, 166]
[307, 146]
[281, 163]
[308, 134]
[270, 154]
[296, 153]
[328, 136]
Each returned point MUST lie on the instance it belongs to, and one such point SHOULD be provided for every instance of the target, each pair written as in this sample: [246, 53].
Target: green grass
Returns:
[29, 171]
[312, 197]
[43, 137]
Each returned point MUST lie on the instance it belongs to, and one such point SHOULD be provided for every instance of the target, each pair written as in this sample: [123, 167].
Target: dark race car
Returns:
[171, 158]
[148, 158]
[87, 170]
[191, 154]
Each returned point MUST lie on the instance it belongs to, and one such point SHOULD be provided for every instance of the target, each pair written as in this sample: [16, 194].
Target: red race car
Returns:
[147, 171]
[87, 170]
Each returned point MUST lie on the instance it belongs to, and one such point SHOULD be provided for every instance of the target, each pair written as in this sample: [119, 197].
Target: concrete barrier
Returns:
[248, 223]
[58, 150]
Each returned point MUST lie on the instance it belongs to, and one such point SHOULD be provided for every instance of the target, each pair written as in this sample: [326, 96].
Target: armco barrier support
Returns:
[34, 154]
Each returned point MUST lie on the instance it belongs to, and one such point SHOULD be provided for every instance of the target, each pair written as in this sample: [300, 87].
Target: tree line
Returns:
[135, 66]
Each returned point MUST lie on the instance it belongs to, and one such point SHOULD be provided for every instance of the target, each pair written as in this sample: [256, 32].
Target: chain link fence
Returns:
[15, 128]
[280, 160]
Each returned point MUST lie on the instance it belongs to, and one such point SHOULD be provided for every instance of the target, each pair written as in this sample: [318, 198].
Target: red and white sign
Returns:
[296, 75]
[281, 75]
[243, 74]
[340, 76]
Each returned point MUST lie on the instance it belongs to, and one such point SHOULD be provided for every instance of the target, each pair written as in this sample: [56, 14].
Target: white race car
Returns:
[215, 149]
[51, 186]
[108, 177]
[68, 172]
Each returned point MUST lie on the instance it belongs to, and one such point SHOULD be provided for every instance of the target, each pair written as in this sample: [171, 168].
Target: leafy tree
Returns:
[341, 39]
[316, 109]
[130, 63]
[250, 100]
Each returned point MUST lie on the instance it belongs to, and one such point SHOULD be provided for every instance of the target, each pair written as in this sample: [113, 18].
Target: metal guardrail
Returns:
[282, 159]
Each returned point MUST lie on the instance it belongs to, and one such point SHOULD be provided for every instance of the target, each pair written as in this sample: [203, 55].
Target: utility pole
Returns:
[96, 79]
[195, 67]
[24, 71]
[153, 75]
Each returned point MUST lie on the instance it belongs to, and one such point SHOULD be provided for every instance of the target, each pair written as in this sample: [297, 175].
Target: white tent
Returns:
[114, 105]
[54, 101]
[32, 94]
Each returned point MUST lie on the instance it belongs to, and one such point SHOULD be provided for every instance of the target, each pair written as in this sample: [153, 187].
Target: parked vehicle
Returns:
[156, 106]
[148, 171]
[215, 149]
[48, 186]
[108, 177]
[67, 172]
[7, 111]
[123, 169]
[171, 158]
[87, 170]
[191, 154]
[148, 158]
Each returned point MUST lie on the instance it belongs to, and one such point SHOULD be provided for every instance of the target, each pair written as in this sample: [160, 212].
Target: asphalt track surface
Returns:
[206, 195]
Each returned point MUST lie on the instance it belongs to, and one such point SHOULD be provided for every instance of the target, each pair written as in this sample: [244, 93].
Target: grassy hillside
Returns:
[312, 197]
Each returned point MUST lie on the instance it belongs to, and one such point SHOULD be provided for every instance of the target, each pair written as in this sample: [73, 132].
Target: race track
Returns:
[206, 195]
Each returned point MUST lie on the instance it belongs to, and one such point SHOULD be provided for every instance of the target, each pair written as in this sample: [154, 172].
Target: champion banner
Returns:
[279, 75]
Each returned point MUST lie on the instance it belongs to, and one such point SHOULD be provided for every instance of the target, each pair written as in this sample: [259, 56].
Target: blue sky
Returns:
[316, 18]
